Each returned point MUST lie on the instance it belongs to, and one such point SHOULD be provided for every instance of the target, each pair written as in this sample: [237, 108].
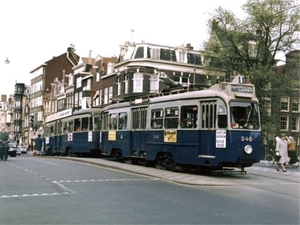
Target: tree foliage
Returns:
[250, 46]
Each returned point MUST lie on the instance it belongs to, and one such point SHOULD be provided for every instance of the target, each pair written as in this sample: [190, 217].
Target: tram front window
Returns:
[244, 115]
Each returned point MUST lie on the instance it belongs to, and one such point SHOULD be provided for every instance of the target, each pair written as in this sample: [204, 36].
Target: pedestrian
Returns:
[281, 146]
[38, 144]
[4, 139]
[292, 150]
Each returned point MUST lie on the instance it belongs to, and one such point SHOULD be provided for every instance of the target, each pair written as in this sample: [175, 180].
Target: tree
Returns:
[250, 46]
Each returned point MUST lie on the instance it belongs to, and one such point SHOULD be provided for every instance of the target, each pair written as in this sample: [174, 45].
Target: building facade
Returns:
[41, 83]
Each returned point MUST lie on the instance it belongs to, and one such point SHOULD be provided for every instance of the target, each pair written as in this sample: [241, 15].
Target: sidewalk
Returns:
[178, 177]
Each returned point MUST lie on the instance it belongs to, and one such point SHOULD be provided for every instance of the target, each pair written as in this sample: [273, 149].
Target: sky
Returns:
[33, 31]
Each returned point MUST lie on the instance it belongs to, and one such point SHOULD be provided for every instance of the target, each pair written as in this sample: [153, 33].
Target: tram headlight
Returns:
[248, 149]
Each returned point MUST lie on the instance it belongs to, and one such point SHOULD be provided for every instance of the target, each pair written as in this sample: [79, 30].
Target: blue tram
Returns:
[216, 128]
[75, 133]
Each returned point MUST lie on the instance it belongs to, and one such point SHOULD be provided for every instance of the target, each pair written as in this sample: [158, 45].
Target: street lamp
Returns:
[7, 61]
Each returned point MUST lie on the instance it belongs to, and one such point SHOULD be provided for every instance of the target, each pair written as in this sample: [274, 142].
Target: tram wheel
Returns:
[69, 153]
[117, 155]
[166, 161]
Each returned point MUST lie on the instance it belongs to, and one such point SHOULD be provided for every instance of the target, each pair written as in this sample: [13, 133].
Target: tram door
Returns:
[138, 134]
[208, 129]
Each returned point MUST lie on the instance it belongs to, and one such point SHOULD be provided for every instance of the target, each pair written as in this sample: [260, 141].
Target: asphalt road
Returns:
[63, 190]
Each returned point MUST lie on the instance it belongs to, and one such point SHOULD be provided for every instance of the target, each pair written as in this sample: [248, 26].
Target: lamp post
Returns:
[7, 61]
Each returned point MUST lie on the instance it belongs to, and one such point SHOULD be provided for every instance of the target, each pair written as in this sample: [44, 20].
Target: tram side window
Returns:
[188, 116]
[77, 123]
[143, 117]
[65, 127]
[47, 131]
[139, 118]
[85, 123]
[209, 115]
[59, 127]
[52, 130]
[171, 117]
[71, 126]
[122, 123]
[97, 123]
[113, 121]
[157, 118]
[105, 121]
[91, 123]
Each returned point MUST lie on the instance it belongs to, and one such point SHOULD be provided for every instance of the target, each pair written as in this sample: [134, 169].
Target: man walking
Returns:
[38, 144]
[4, 139]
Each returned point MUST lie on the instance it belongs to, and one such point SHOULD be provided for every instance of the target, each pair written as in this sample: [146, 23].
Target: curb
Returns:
[177, 177]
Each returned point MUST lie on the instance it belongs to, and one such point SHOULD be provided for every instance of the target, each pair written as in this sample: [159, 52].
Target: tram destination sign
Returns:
[241, 89]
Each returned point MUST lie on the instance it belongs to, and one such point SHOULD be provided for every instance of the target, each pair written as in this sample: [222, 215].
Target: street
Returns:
[62, 190]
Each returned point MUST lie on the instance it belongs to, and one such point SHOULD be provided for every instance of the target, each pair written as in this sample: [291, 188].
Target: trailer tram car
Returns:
[76, 134]
[215, 128]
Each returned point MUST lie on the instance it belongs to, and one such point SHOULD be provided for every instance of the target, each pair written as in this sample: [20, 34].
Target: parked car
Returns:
[18, 151]
[23, 149]
[12, 151]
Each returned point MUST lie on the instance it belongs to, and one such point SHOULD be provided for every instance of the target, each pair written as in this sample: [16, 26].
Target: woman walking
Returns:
[281, 146]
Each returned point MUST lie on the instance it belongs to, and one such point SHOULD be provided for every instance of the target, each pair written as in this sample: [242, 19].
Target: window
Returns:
[78, 82]
[283, 123]
[105, 121]
[166, 54]
[154, 53]
[139, 53]
[139, 118]
[77, 125]
[87, 85]
[85, 124]
[126, 84]
[208, 115]
[157, 118]
[96, 98]
[105, 95]
[118, 86]
[76, 99]
[194, 59]
[110, 68]
[97, 76]
[244, 115]
[113, 121]
[80, 99]
[188, 116]
[295, 104]
[122, 123]
[137, 82]
[181, 56]
[67, 126]
[284, 104]
[97, 123]
[100, 97]
[110, 94]
[18, 103]
[154, 84]
[60, 104]
[295, 124]
[252, 48]
[171, 117]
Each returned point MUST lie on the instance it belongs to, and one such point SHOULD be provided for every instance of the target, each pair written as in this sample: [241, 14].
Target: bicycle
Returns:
[273, 158]
[296, 164]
